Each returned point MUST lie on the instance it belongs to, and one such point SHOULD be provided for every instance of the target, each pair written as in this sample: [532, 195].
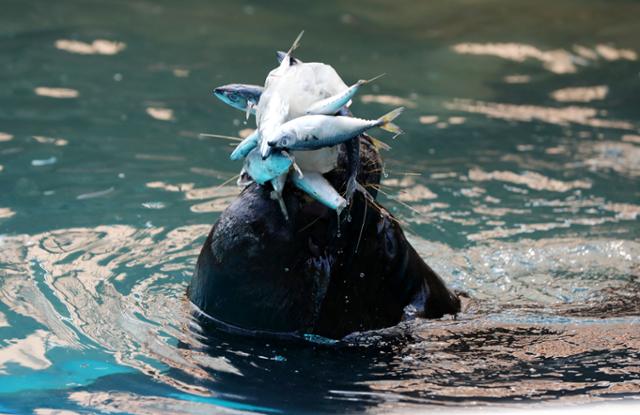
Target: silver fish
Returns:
[316, 186]
[333, 104]
[312, 132]
[298, 88]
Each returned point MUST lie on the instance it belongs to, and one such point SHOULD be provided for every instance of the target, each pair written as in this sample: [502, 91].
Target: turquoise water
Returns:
[517, 180]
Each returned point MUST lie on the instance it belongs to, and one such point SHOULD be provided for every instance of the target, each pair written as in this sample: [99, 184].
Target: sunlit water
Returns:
[517, 180]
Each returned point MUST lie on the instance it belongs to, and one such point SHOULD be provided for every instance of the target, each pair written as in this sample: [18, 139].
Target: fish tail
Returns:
[295, 44]
[379, 144]
[366, 81]
[385, 122]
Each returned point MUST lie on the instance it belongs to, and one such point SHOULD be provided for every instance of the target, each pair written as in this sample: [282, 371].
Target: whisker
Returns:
[224, 137]
[364, 218]
[226, 182]
[399, 201]
[308, 225]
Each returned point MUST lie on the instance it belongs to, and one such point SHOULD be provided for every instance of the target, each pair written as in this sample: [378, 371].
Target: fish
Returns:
[263, 171]
[333, 104]
[311, 132]
[316, 186]
[273, 170]
[249, 143]
[278, 107]
[270, 119]
[244, 97]
[301, 86]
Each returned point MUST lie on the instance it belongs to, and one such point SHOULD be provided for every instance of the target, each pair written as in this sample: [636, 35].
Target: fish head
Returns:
[236, 95]
[283, 140]
[264, 170]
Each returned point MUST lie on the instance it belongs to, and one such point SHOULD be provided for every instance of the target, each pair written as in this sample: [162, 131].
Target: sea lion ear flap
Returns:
[440, 300]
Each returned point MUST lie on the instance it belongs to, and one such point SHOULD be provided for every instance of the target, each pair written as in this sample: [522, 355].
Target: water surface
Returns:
[516, 180]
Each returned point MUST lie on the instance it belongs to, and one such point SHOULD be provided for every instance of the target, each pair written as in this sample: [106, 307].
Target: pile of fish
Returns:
[302, 115]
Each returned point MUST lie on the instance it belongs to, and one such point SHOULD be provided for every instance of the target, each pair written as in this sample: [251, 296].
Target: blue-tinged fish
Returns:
[273, 170]
[263, 171]
[244, 97]
[249, 143]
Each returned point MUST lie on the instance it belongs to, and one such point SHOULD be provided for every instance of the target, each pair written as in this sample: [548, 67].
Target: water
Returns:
[517, 180]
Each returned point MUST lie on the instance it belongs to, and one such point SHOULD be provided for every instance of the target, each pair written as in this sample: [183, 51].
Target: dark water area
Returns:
[516, 180]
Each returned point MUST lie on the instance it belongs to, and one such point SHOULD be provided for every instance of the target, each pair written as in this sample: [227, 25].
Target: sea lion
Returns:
[258, 273]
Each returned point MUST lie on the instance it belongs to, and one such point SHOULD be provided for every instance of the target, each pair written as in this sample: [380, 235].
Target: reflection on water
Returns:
[543, 338]
[560, 116]
[45, 91]
[557, 61]
[581, 94]
[516, 180]
[98, 46]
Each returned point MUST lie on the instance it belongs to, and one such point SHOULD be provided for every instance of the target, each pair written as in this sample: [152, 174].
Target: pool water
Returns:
[517, 180]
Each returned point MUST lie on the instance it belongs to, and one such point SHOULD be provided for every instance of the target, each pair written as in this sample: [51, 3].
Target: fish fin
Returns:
[295, 44]
[385, 122]
[250, 106]
[278, 197]
[293, 162]
[379, 145]
[297, 169]
[366, 81]
[276, 194]
[265, 148]
[280, 55]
